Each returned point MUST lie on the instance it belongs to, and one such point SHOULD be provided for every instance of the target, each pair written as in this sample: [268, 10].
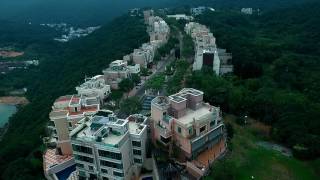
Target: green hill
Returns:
[63, 67]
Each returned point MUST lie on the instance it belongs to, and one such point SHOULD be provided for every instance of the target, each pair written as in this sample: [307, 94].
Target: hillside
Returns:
[58, 74]
[276, 58]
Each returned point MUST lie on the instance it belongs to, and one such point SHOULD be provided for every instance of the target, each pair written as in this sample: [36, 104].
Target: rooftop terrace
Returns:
[202, 113]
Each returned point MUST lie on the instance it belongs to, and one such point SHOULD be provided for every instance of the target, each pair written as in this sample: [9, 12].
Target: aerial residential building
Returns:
[206, 52]
[158, 29]
[147, 14]
[115, 73]
[181, 17]
[106, 147]
[197, 11]
[94, 86]
[248, 11]
[67, 112]
[185, 121]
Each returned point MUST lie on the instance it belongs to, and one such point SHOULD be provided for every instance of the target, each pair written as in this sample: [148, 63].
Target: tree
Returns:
[131, 105]
[156, 82]
[126, 85]
[135, 78]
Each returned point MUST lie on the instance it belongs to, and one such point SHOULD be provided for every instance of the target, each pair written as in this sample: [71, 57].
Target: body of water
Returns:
[5, 112]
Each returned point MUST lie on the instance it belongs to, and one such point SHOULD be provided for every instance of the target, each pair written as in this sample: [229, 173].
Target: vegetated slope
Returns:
[277, 68]
[58, 75]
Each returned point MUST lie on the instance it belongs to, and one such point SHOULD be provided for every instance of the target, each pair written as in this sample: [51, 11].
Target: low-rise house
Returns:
[106, 147]
[95, 86]
[184, 121]
[115, 73]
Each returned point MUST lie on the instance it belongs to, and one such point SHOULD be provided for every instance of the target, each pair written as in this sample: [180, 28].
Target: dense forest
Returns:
[277, 70]
[62, 68]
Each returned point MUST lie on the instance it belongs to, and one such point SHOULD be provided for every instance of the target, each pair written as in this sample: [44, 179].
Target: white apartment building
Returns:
[158, 29]
[106, 147]
[181, 17]
[206, 51]
[248, 11]
[94, 86]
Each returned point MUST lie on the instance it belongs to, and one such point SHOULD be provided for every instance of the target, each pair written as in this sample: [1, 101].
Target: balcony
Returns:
[164, 132]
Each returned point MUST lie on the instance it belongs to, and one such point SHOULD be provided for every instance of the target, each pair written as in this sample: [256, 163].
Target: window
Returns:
[117, 174]
[136, 160]
[212, 123]
[179, 130]
[109, 154]
[84, 158]
[136, 152]
[70, 124]
[111, 164]
[165, 140]
[136, 143]
[82, 175]
[190, 131]
[82, 149]
[104, 171]
[203, 128]
[90, 168]
[80, 165]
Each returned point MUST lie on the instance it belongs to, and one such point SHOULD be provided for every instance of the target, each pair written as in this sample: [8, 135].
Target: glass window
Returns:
[136, 160]
[211, 123]
[109, 154]
[84, 158]
[80, 165]
[136, 152]
[190, 130]
[111, 164]
[179, 130]
[82, 149]
[117, 174]
[203, 128]
[90, 168]
[136, 143]
[104, 171]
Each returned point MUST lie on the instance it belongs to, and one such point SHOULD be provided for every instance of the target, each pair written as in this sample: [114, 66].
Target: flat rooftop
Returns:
[94, 128]
[111, 139]
[58, 113]
[196, 115]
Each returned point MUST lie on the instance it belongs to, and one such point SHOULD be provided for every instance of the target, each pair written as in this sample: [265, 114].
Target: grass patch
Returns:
[246, 159]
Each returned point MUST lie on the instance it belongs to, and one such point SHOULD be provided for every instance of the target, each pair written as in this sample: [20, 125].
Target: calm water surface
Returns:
[5, 112]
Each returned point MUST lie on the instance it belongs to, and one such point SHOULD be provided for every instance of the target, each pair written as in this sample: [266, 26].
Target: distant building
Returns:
[147, 14]
[206, 52]
[195, 127]
[248, 11]
[197, 11]
[158, 29]
[181, 17]
[106, 147]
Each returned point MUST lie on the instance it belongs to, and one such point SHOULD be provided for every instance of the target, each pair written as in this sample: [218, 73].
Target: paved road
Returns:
[139, 91]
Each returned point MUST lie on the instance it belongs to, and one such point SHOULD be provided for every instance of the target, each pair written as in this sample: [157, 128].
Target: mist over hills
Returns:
[93, 12]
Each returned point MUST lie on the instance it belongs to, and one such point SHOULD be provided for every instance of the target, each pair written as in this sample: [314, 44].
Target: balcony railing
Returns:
[164, 131]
